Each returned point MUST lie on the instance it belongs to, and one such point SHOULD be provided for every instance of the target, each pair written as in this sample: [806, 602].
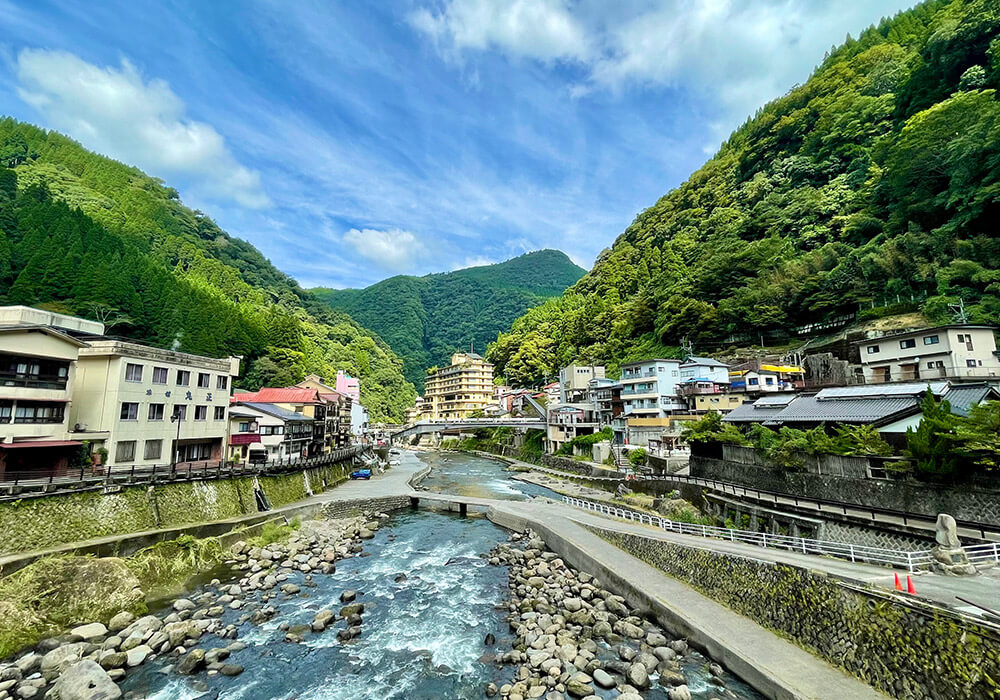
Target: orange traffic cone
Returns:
[910, 588]
[899, 586]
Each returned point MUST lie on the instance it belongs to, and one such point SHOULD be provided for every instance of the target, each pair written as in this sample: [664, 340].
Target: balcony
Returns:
[700, 389]
[32, 382]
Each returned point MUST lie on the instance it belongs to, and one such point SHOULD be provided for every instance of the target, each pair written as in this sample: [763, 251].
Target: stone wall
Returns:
[350, 509]
[49, 521]
[552, 461]
[904, 647]
[967, 503]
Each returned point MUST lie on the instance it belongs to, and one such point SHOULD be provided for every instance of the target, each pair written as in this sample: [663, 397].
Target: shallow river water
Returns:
[423, 632]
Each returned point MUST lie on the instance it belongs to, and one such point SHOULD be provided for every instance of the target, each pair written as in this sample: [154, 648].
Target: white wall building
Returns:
[649, 388]
[945, 352]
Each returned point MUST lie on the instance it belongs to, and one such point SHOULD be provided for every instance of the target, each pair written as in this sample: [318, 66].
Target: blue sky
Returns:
[350, 141]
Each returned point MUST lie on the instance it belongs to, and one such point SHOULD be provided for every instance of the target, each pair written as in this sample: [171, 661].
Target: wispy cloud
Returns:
[392, 250]
[116, 112]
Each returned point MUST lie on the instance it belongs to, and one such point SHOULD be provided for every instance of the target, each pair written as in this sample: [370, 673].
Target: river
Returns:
[430, 601]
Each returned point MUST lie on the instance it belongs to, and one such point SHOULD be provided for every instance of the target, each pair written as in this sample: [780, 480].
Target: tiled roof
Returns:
[811, 409]
[280, 395]
[870, 391]
[963, 397]
[751, 413]
[276, 411]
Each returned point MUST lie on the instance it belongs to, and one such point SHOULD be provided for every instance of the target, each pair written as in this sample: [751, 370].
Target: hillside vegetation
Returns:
[878, 177]
[86, 235]
[425, 319]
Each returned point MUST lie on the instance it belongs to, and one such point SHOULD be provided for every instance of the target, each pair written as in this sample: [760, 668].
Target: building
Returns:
[703, 396]
[461, 388]
[574, 381]
[150, 406]
[418, 411]
[305, 401]
[958, 351]
[552, 394]
[348, 386]
[37, 371]
[280, 434]
[605, 395]
[649, 388]
[891, 408]
[704, 369]
[568, 421]
[339, 411]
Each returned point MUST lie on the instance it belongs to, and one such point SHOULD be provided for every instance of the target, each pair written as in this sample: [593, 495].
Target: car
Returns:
[362, 474]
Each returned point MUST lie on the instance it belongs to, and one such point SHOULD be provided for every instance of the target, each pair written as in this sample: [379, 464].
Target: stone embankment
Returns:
[88, 661]
[573, 636]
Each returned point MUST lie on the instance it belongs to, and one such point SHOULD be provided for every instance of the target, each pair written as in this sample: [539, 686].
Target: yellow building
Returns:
[464, 386]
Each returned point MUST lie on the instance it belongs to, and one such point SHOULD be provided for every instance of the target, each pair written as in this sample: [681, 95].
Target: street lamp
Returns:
[176, 418]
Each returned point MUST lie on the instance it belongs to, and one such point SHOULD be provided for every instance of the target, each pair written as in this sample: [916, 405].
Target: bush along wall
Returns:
[905, 648]
[44, 522]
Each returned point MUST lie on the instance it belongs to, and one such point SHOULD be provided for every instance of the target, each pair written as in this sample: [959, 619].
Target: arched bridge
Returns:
[442, 425]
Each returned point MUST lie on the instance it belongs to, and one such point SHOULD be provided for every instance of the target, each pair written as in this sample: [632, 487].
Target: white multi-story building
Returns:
[649, 388]
[151, 406]
[574, 381]
[958, 351]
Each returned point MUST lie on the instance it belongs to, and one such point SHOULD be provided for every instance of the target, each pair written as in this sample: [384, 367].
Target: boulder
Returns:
[191, 662]
[121, 621]
[231, 669]
[638, 676]
[85, 680]
[89, 632]
[182, 604]
[681, 692]
[61, 658]
[603, 678]
[138, 655]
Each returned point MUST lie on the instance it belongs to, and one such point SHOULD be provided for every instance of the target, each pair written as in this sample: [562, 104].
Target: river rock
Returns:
[603, 678]
[322, 619]
[681, 692]
[88, 632]
[366, 534]
[352, 609]
[290, 589]
[231, 669]
[182, 604]
[348, 596]
[115, 659]
[491, 690]
[191, 662]
[85, 680]
[138, 655]
[655, 639]
[638, 676]
[58, 660]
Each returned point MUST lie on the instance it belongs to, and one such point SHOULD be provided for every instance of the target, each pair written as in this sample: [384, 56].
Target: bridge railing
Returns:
[894, 558]
[980, 554]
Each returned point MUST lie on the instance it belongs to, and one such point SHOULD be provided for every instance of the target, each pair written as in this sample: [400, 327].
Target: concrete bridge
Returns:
[465, 424]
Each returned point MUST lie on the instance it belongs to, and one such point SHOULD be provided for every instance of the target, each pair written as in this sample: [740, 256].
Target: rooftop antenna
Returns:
[959, 313]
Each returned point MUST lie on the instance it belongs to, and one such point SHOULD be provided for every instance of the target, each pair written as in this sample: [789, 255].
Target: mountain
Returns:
[875, 182]
[86, 235]
[425, 319]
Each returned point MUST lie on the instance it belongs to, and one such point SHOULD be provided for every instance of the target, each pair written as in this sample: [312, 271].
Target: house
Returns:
[891, 408]
[957, 351]
[37, 369]
[649, 388]
[461, 388]
[280, 433]
[568, 421]
[152, 406]
[552, 393]
[574, 381]
[303, 400]
[704, 369]
[351, 386]
[339, 411]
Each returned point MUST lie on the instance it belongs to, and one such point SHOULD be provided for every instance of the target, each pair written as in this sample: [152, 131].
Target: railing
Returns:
[33, 382]
[89, 477]
[980, 554]
[871, 514]
[896, 558]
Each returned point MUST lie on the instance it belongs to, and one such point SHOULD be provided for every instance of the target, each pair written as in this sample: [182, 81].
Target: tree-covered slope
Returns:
[878, 177]
[425, 319]
[86, 235]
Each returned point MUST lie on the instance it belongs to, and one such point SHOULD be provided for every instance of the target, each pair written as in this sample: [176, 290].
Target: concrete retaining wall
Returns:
[905, 648]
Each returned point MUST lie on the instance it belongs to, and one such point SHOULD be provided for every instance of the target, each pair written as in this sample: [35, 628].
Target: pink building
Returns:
[349, 386]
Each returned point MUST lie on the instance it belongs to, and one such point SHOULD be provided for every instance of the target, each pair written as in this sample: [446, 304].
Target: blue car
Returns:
[362, 474]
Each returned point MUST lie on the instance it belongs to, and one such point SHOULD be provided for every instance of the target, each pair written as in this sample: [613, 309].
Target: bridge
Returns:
[441, 425]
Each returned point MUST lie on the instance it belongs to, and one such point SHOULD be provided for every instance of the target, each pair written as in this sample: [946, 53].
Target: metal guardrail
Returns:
[870, 513]
[980, 554]
[83, 479]
[911, 561]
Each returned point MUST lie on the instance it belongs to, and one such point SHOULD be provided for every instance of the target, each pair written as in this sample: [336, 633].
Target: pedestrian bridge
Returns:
[441, 425]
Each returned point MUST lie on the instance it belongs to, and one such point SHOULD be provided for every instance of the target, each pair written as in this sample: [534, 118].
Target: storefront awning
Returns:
[39, 443]
[244, 438]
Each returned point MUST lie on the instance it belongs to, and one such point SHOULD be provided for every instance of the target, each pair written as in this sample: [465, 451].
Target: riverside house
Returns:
[273, 432]
[304, 401]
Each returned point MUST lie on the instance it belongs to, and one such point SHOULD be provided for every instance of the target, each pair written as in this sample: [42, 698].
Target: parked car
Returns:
[362, 474]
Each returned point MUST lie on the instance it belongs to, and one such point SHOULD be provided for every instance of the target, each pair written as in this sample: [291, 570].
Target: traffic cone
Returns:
[910, 588]
[899, 586]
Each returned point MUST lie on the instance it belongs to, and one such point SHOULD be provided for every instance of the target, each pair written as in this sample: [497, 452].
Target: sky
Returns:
[354, 140]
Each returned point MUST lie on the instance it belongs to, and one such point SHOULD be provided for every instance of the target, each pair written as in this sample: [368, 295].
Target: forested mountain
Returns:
[426, 319]
[879, 176]
[86, 235]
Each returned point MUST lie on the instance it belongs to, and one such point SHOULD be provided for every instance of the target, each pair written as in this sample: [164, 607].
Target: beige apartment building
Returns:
[464, 386]
[958, 351]
[151, 406]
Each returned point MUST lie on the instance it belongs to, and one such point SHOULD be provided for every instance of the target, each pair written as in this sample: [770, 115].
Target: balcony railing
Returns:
[57, 383]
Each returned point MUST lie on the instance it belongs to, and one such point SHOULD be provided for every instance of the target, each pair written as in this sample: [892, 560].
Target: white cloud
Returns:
[392, 249]
[539, 29]
[739, 54]
[114, 111]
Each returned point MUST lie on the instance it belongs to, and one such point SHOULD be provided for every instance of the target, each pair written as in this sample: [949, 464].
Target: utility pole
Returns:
[960, 314]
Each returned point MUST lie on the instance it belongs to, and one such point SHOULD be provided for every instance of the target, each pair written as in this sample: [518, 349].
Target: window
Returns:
[961, 337]
[27, 412]
[200, 412]
[6, 409]
[220, 413]
[159, 375]
[153, 449]
[125, 452]
[930, 365]
[130, 411]
[907, 344]
[247, 427]
[155, 411]
[753, 381]
[931, 340]
[204, 380]
[970, 363]
[222, 382]
[272, 430]
[872, 349]
[180, 411]
[769, 381]
[183, 377]
[133, 372]
[712, 399]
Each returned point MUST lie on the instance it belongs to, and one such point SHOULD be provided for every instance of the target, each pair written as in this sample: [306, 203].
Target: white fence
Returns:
[984, 554]
[911, 561]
